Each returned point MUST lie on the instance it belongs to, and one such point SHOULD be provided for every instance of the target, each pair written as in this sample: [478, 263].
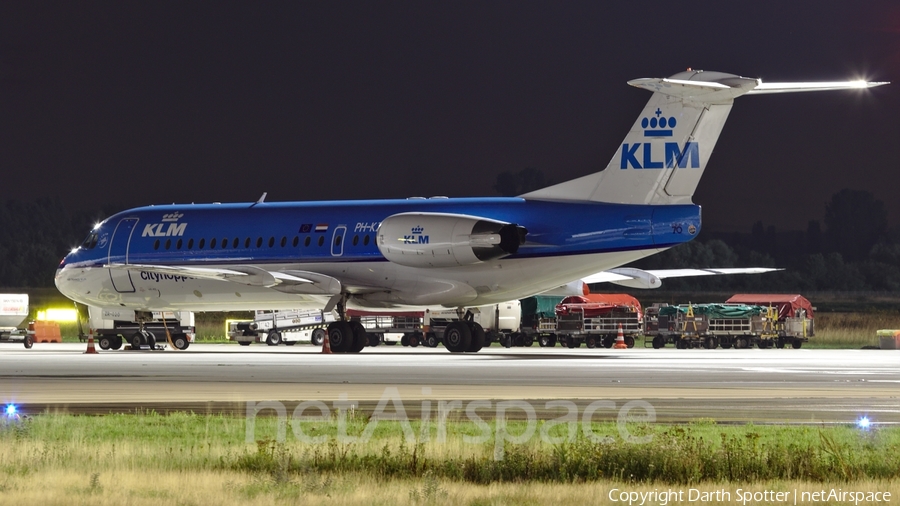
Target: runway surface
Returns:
[778, 386]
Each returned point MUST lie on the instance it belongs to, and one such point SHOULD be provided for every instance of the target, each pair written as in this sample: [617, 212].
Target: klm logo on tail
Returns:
[640, 155]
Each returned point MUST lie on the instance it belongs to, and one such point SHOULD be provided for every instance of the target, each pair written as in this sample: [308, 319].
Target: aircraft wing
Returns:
[638, 278]
[292, 281]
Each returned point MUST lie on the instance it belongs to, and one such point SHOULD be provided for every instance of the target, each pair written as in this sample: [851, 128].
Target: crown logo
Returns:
[418, 230]
[660, 126]
[172, 216]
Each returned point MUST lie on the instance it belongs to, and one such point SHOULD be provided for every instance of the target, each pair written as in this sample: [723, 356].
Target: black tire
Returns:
[151, 340]
[359, 337]
[570, 342]
[317, 338]
[374, 339]
[340, 336]
[244, 343]
[779, 343]
[659, 342]
[180, 341]
[544, 341]
[796, 344]
[116, 343]
[726, 343]
[273, 338]
[28, 341]
[710, 343]
[609, 341]
[680, 344]
[431, 341]
[457, 337]
[289, 343]
[629, 341]
[590, 341]
[528, 340]
[104, 343]
[404, 341]
[478, 337]
[414, 341]
[137, 340]
[518, 340]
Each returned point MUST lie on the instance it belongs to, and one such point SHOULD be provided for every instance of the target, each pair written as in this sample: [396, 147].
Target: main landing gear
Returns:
[464, 335]
[346, 336]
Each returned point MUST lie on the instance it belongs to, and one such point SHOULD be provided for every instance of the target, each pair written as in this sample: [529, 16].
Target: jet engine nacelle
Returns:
[446, 240]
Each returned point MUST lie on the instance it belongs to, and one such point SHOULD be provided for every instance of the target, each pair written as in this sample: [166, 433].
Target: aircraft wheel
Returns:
[104, 343]
[151, 340]
[317, 337]
[274, 338]
[137, 340]
[340, 336]
[590, 341]
[359, 337]
[457, 337]
[477, 341]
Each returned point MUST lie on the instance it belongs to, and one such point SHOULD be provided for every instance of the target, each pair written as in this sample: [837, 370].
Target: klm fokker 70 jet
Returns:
[451, 252]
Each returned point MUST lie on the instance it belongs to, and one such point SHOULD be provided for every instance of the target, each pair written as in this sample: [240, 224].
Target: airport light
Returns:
[11, 410]
[864, 423]
[58, 315]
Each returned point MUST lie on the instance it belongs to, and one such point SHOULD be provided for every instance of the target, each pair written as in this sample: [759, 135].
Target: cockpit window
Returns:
[90, 241]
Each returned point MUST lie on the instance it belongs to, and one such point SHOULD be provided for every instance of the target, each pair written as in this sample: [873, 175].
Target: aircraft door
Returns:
[337, 241]
[118, 253]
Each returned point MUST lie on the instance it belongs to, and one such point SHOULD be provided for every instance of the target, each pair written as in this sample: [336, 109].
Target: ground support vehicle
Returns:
[794, 324]
[592, 319]
[599, 329]
[428, 327]
[538, 322]
[13, 311]
[287, 327]
[710, 326]
[142, 330]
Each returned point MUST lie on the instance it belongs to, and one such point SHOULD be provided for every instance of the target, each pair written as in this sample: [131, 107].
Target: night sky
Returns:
[136, 103]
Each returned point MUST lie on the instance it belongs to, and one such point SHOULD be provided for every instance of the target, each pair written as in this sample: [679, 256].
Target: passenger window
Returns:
[259, 242]
[296, 241]
[178, 244]
[271, 242]
[337, 240]
[224, 243]
[321, 240]
[247, 243]
[355, 240]
[190, 244]
[283, 241]
[212, 244]
[234, 243]
[366, 241]
[156, 244]
[168, 243]
[306, 241]
[202, 243]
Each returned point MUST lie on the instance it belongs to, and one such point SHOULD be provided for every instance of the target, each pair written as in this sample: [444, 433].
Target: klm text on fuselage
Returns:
[640, 155]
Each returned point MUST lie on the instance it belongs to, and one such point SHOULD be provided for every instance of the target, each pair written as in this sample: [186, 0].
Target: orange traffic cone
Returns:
[90, 349]
[326, 346]
[620, 340]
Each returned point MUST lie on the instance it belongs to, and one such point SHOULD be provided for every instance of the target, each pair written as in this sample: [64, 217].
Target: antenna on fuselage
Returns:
[263, 198]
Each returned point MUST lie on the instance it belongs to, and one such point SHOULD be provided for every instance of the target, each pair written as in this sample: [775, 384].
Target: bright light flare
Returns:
[864, 423]
[58, 315]
[11, 410]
